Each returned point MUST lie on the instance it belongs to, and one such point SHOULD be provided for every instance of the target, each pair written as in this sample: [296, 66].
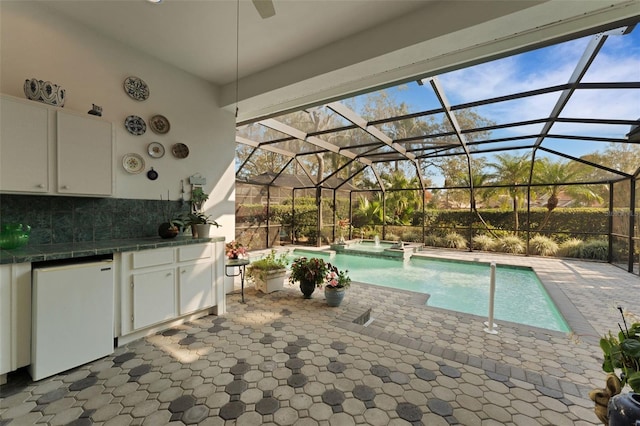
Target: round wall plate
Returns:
[180, 150]
[135, 125]
[133, 163]
[155, 150]
[159, 124]
[136, 88]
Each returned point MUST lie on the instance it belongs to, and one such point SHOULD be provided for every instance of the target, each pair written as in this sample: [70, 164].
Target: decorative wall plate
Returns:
[180, 150]
[159, 124]
[133, 163]
[135, 125]
[136, 88]
[155, 150]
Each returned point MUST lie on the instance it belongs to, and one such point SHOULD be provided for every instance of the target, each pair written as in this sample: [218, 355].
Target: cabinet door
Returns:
[24, 146]
[196, 287]
[85, 155]
[153, 297]
[5, 319]
[15, 316]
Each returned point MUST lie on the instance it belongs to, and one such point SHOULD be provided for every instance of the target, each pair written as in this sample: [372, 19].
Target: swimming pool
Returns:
[459, 286]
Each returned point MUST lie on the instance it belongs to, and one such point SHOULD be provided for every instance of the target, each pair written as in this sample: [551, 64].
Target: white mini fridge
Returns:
[72, 316]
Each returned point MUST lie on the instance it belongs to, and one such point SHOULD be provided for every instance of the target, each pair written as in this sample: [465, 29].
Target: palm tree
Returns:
[511, 170]
[558, 174]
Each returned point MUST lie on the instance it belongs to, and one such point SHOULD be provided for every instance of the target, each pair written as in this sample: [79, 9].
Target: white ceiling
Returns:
[200, 36]
[313, 50]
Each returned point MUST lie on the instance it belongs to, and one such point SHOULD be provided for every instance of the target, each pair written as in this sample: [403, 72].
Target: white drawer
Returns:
[144, 259]
[194, 252]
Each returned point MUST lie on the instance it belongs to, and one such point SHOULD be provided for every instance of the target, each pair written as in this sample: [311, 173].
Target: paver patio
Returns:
[280, 359]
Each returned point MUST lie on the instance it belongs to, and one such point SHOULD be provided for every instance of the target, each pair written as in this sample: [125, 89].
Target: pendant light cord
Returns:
[237, 52]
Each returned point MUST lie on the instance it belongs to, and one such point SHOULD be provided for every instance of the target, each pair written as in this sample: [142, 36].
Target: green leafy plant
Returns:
[511, 244]
[622, 352]
[455, 240]
[544, 246]
[595, 249]
[271, 262]
[571, 247]
[199, 218]
[313, 270]
[484, 242]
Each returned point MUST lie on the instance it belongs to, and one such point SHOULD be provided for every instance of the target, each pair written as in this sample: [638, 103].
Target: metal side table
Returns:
[241, 264]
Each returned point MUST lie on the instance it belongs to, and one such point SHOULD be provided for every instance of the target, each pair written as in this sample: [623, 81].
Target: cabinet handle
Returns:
[169, 274]
[183, 271]
[64, 187]
[39, 185]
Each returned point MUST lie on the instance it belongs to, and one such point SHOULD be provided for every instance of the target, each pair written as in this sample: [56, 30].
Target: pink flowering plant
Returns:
[234, 249]
[336, 278]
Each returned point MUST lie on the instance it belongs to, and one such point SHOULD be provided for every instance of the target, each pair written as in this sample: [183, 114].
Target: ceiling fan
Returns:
[265, 8]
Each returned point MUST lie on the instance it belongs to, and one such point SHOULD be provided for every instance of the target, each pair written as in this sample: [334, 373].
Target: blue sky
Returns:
[618, 61]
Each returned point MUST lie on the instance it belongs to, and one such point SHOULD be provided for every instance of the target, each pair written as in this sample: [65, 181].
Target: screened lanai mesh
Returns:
[536, 153]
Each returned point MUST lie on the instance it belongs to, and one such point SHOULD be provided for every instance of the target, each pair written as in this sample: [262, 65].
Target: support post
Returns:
[490, 326]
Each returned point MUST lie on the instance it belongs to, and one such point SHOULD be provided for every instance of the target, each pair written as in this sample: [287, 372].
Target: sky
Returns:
[617, 61]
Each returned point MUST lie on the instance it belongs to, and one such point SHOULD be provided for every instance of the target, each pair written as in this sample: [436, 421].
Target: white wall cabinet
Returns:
[15, 317]
[48, 150]
[24, 146]
[165, 285]
[85, 155]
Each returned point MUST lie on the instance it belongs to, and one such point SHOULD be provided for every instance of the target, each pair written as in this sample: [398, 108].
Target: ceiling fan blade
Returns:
[265, 8]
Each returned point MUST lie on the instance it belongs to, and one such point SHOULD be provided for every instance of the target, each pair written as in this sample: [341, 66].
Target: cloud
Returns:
[618, 61]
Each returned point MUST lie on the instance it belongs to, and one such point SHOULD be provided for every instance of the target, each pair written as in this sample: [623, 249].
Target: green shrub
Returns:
[571, 247]
[412, 236]
[455, 240]
[511, 244]
[484, 242]
[433, 240]
[544, 246]
[595, 249]
[389, 236]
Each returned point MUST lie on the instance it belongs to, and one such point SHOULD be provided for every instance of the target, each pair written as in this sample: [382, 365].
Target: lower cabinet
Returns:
[160, 286]
[15, 317]
[153, 295]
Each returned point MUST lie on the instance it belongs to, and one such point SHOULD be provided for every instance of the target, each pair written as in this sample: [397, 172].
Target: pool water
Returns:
[459, 286]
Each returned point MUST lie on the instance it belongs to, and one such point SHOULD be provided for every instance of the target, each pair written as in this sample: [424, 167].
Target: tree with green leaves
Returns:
[512, 170]
[558, 174]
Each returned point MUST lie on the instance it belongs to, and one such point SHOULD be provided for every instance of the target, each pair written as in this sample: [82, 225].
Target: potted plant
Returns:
[621, 353]
[235, 250]
[336, 282]
[310, 273]
[173, 224]
[269, 272]
[198, 198]
[200, 224]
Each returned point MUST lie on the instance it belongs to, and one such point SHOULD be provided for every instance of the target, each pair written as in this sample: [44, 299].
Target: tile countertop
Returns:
[39, 253]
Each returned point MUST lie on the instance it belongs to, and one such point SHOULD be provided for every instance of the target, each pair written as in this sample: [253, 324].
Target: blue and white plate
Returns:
[135, 125]
[136, 88]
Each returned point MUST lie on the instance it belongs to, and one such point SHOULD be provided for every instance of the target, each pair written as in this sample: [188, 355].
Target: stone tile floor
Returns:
[282, 360]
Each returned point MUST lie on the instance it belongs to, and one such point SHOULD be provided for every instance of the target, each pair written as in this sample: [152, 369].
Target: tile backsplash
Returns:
[56, 219]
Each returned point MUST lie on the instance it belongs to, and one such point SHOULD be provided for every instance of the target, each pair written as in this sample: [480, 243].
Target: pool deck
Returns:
[280, 359]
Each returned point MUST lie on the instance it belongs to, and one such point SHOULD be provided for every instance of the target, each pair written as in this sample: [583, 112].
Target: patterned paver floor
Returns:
[280, 359]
